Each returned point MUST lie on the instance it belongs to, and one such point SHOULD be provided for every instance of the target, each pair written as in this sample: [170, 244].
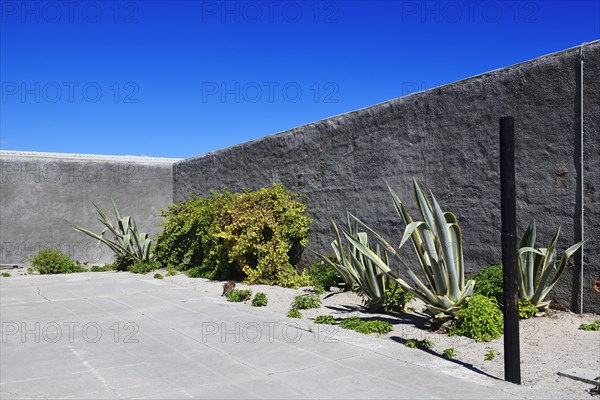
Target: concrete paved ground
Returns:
[118, 335]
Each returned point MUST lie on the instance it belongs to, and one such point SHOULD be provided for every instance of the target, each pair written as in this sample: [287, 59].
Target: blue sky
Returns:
[182, 78]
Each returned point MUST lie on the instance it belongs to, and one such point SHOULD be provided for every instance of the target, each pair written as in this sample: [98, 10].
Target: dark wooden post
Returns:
[512, 357]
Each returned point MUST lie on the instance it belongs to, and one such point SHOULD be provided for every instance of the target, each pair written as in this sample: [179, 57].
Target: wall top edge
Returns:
[98, 157]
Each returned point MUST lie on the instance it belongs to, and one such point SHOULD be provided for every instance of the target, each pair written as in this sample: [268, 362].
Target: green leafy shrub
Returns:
[6, 274]
[255, 235]
[143, 267]
[129, 245]
[526, 309]
[158, 276]
[260, 300]
[51, 261]
[488, 282]
[491, 354]
[323, 275]
[424, 344]
[481, 319]
[325, 320]
[306, 302]
[293, 313]
[594, 326]
[450, 352]
[375, 326]
[171, 271]
[239, 295]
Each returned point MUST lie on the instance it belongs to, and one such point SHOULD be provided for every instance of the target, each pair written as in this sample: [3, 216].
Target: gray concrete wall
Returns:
[447, 138]
[43, 194]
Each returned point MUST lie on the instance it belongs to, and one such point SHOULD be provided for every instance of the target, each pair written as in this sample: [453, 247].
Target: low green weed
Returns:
[351, 323]
[238, 295]
[424, 344]
[375, 326]
[366, 327]
[104, 268]
[325, 320]
[306, 302]
[491, 354]
[143, 267]
[450, 352]
[293, 313]
[594, 326]
[260, 300]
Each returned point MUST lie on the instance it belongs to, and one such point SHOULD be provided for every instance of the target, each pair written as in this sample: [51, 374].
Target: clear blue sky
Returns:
[181, 78]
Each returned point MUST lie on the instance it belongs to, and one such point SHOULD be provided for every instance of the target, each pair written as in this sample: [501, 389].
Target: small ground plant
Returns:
[158, 276]
[366, 327]
[481, 320]
[51, 261]
[491, 354]
[294, 313]
[594, 326]
[351, 323]
[306, 302]
[143, 267]
[6, 274]
[239, 295]
[424, 344]
[325, 320]
[260, 300]
[101, 268]
[450, 352]
[375, 326]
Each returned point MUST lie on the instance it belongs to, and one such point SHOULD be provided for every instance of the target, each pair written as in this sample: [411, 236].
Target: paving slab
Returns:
[119, 335]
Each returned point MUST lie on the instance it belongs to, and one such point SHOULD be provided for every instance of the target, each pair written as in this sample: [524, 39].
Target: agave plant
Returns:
[128, 244]
[538, 272]
[356, 269]
[437, 241]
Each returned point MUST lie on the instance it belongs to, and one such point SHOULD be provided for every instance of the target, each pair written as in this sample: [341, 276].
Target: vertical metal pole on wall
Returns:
[581, 186]
[512, 357]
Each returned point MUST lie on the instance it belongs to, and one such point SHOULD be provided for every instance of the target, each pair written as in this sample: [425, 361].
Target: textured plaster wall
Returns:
[42, 195]
[447, 138]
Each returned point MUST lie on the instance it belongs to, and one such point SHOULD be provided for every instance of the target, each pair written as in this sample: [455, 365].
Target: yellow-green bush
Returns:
[257, 236]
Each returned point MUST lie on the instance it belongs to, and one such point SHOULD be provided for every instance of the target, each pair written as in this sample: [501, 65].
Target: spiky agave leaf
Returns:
[127, 243]
[538, 272]
[437, 241]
